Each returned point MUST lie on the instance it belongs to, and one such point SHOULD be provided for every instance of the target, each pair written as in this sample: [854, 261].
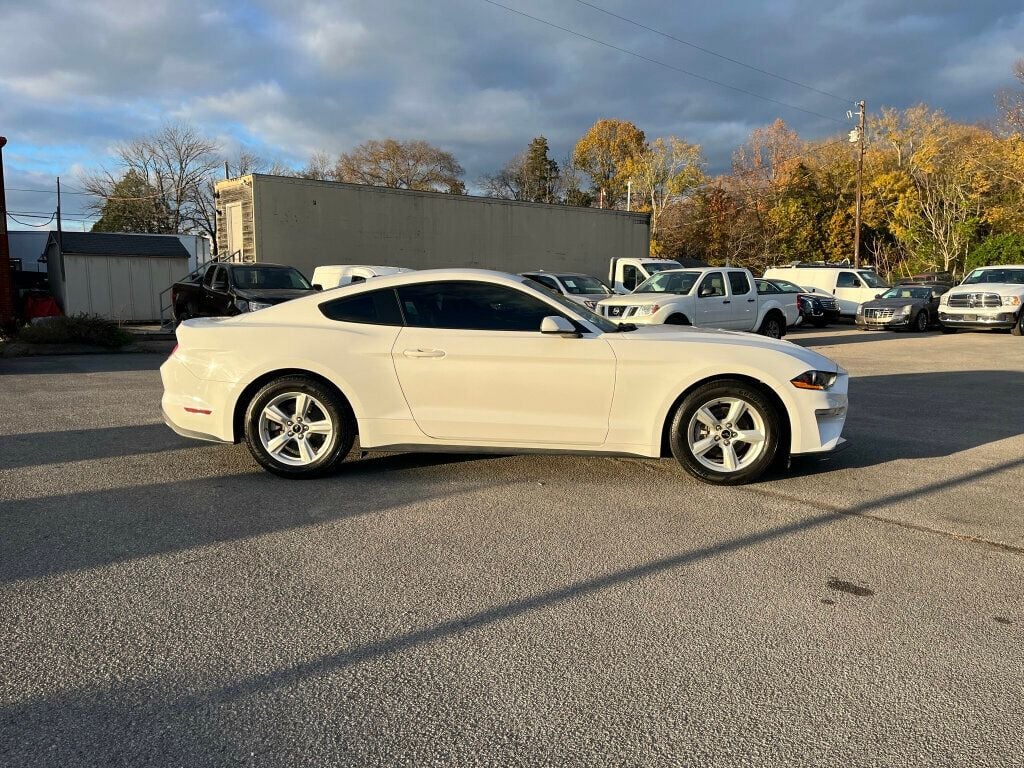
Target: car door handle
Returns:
[751, 300]
[424, 353]
[725, 301]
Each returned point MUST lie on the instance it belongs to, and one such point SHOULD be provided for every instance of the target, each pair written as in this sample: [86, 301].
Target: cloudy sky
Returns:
[285, 79]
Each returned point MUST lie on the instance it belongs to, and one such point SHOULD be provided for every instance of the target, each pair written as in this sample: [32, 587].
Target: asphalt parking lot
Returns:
[164, 602]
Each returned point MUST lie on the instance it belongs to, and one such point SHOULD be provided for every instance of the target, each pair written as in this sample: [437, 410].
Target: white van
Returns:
[337, 275]
[851, 286]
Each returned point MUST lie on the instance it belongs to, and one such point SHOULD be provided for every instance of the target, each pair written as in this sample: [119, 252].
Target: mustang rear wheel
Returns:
[297, 427]
[726, 433]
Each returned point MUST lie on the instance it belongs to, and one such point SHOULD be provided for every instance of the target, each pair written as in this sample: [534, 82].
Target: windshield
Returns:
[903, 292]
[1011, 276]
[584, 285]
[574, 308]
[872, 280]
[787, 287]
[669, 282]
[661, 266]
[268, 278]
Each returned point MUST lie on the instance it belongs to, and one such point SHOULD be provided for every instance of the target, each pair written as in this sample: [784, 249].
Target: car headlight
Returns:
[256, 305]
[590, 304]
[817, 380]
[860, 309]
[242, 304]
[906, 309]
[944, 300]
[1011, 301]
[650, 309]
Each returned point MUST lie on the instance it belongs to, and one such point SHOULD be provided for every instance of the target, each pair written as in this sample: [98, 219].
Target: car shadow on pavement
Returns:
[28, 449]
[63, 532]
[64, 364]
[852, 336]
[125, 723]
[925, 415]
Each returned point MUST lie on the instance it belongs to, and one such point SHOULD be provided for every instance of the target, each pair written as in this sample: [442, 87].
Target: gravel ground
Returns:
[164, 602]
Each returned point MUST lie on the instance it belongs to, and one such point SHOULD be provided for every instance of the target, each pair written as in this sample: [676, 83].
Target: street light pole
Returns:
[6, 295]
[860, 180]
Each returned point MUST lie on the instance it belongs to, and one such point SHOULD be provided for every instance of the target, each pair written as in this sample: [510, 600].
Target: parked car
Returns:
[583, 289]
[908, 306]
[337, 275]
[850, 286]
[712, 297]
[228, 288]
[459, 359]
[989, 297]
[812, 307]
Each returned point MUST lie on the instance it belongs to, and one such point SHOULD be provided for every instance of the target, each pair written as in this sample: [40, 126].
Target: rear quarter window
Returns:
[370, 308]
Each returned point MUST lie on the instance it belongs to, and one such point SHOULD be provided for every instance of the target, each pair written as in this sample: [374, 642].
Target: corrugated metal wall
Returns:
[308, 223]
[123, 288]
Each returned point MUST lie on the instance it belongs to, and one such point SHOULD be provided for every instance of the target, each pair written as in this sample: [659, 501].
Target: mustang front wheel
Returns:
[726, 433]
[297, 427]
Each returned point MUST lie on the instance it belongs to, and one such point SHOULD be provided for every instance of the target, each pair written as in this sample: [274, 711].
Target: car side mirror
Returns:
[558, 326]
[878, 295]
[317, 287]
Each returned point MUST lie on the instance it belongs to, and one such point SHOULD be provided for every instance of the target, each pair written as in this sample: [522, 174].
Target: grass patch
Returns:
[77, 329]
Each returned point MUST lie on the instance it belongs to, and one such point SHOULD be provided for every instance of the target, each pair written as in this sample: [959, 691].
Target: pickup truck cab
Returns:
[624, 275]
[851, 287]
[226, 288]
[336, 275]
[989, 297]
[583, 289]
[708, 297]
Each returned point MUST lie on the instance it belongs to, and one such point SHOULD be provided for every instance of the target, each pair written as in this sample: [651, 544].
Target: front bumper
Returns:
[831, 315]
[903, 321]
[978, 319]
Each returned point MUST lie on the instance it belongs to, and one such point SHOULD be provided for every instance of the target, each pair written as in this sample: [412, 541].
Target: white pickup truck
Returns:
[708, 297]
[625, 274]
[989, 297]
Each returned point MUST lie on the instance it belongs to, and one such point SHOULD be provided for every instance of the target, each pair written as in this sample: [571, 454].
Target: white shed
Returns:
[113, 275]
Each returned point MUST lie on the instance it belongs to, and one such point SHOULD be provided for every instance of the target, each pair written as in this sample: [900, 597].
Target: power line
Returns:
[662, 63]
[12, 217]
[715, 53]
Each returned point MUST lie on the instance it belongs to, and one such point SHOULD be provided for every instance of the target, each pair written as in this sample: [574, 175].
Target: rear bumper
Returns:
[191, 434]
[194, 407]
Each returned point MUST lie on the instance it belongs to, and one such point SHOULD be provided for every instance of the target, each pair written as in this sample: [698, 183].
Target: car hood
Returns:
[273, 295]
[670, 335]
[641, 299]
[1003, 289]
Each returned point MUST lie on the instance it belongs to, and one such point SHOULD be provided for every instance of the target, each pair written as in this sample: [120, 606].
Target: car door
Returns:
[475, 367]
[216, 299]
[712, 304]
[742, 309]
[851, 292]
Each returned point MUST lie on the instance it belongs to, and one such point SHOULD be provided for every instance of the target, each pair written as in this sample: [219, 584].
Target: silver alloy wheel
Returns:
[726, 434]
[296, 429]
[773, 330]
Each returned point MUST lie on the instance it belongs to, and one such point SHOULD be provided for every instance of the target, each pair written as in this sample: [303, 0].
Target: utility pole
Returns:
[858, 136]
[629, 195]
[6, 292]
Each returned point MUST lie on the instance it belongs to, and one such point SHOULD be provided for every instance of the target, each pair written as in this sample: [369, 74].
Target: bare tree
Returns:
[319, 167]
[1011, 102]
[402, 165]
[178, 164]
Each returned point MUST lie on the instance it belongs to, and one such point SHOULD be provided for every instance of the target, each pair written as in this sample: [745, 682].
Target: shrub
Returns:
[997, 249]
[77, 329]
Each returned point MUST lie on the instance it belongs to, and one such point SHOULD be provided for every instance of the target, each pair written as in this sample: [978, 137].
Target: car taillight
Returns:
[174, 350]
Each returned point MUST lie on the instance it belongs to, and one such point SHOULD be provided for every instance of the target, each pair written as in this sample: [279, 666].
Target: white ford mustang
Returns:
[471, 360]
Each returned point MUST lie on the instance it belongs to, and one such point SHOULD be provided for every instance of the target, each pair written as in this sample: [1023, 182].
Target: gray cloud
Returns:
[288, 78]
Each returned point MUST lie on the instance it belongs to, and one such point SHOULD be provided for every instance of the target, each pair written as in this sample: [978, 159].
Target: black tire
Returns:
[677, 320]
[947, 329]
[1018, 328]
[921, 322]
[706, 395]
[773, 326]
[334, 409]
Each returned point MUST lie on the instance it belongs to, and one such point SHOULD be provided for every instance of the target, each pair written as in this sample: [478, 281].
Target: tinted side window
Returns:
[630, 279]
[220, 279]
[712, 285]
[472, 306]
[208, 277]
[738, 283]
[547, 282]
[764, 286]
[847, 280]
[373, 307]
